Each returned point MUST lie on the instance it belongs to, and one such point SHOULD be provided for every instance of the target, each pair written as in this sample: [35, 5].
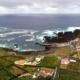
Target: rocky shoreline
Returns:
[61, 40]
[63, 37]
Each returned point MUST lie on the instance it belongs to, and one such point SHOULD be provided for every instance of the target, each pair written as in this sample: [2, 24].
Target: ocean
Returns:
[25, 30]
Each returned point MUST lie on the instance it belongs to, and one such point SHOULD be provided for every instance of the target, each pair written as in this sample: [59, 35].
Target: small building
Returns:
[38, 59]
[65, 61]
[20, 62]
[71, 60]
[44, 72]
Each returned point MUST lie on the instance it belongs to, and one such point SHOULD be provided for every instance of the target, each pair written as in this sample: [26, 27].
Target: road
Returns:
[57, 72]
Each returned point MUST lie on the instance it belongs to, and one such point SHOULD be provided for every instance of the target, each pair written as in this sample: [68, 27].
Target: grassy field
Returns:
[74, 66]
[76, 55]
[5, 63]
[63, 51]
[30, 68]
[10, 71]
[15, 70]
[12, 58]
[5, 74]
[69, 75]
[49, 62]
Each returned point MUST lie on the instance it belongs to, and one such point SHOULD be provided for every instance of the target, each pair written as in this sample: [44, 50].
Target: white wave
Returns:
[25, 45]
[25, 32]
[28, 50]
[17, 49]
[39, 38]
[72, 28]
[9, 39]
[24, 35]
[3, 45]
[3, 29]
[11, 33]
[48, 33]
[31, 39]
[6, 45]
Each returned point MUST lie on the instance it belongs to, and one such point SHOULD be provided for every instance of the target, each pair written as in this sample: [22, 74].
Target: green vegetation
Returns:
[74, 66]
[11, 71]
[12, 58]
[5, 63]
[27, 78]
[2, 52]
[8, 70]
[30, 68]
[63, 51]
[76, 55]
[49, 62]
[5, 52]
[15, 70]
[14, 78]
[5, 75]
[1, 67]
[46, 78]
[69, 75]
[31, 59]
[38, 78]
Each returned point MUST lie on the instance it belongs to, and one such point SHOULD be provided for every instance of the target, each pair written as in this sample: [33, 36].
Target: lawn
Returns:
[5, 63]
[74, 66]
[76, 55]
[63, 51]
[49, 62]
[2, 52]
[4, 75]
[30, 68]
[15, 70]
[69, 75]
[13, 58]
[1, 67]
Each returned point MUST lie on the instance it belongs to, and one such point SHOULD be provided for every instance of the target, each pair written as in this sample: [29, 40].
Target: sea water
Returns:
[26, 30]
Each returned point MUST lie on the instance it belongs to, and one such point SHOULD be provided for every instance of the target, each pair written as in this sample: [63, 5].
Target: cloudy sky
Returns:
[39, 6]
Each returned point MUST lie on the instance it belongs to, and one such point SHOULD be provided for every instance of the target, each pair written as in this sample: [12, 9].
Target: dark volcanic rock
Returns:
[63, 37]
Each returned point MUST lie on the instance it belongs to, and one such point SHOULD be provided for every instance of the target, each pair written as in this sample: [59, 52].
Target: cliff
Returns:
[63, 37]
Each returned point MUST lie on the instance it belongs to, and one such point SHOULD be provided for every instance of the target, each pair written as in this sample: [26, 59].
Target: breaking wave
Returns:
[9, 39]
[40, 37]
[26, 38]
[31, 39]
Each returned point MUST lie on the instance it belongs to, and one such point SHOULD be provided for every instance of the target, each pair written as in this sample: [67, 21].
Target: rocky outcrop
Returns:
[63, 37]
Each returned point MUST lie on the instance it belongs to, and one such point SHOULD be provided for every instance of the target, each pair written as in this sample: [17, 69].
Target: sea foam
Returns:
[54, 32]
[27, 37]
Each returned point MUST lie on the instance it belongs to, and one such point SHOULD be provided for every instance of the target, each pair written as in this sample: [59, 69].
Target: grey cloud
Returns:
[30, 2]
[29, 6]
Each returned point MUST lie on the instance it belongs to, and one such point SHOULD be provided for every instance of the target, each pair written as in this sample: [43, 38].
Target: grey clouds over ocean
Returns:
[28, 29]
[39, 6]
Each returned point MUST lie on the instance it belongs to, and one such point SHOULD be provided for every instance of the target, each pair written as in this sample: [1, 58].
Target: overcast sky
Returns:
[39, 6]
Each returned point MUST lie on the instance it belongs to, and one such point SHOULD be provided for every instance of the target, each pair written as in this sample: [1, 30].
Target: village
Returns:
[51, 64]
[65, 61]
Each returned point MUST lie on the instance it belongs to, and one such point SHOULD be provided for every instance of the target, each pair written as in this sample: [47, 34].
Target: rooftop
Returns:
[20, 62]
[65, 61]
[45, 72]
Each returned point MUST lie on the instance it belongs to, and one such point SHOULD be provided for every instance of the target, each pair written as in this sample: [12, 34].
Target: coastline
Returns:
[49, 45]
[58, 51]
